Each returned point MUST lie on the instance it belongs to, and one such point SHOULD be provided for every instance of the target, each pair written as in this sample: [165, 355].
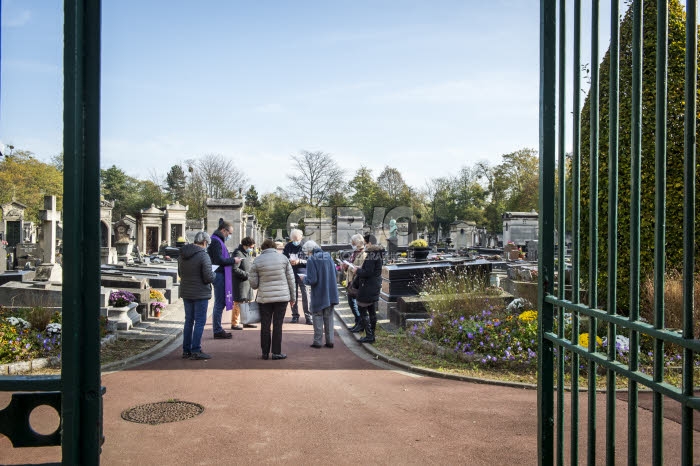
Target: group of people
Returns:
[279, 279]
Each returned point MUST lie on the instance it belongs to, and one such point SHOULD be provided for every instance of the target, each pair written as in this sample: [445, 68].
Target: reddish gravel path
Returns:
[319, 406]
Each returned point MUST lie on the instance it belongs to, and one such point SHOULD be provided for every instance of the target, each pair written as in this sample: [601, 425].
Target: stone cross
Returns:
[49, 217]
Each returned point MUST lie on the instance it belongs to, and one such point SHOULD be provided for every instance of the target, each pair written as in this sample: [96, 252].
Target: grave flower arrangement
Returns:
[121, 298]
[157, 307]
[418, 243]
[157, 295]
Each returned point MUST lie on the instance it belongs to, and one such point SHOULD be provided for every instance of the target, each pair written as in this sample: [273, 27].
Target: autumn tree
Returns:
[27, 180]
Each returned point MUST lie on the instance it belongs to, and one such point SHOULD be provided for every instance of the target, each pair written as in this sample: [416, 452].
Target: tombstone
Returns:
[520, 227]
[13, 222]
[463, 234]
[150, 229]
[174, 222]
[402, 234]
[49, 218]
[49, 273]
[279, 236]
[318, 229]
[230, 210]
[28, 254]
[31, 294]
[532, 250]
[108, 255]
[347, 226]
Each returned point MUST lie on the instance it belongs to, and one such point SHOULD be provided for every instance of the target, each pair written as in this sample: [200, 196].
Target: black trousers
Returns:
[271, 313]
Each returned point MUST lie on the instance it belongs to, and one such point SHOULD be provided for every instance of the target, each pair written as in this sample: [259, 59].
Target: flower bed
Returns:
[27, 334]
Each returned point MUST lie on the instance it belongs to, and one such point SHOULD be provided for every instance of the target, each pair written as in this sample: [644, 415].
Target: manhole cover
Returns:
[162, 412]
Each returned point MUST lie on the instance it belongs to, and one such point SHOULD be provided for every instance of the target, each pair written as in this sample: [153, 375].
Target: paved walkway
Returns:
[319, 406]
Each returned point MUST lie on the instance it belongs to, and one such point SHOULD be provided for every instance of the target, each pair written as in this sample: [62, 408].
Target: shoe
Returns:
[357, 328]
[265, 356]
[295, 319]
[315, 345]
[223, 335]
[367, 339]
[308, 322]
[186, 355]
[279, 356]
[250, 326]
[236, 327]
[200, 355]
[329, 345]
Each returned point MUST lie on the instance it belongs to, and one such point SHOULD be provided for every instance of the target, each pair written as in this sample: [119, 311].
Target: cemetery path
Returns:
[319, 406]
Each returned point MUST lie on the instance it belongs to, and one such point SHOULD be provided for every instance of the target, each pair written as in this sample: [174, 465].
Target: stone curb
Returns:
[157, 347]
[22, 367]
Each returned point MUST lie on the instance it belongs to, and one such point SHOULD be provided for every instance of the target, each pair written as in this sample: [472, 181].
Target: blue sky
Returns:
[423, 86]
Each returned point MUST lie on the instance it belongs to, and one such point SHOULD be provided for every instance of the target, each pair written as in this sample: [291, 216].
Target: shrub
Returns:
[455, 292]
[673, 298]
[39, 318]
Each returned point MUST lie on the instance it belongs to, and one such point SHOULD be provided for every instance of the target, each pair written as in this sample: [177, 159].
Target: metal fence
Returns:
[560, 351]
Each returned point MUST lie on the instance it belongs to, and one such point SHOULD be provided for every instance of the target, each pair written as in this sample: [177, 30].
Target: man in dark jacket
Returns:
[196, 276]
[295, 254]
[320, 277]
[242, 292]
[223, 283]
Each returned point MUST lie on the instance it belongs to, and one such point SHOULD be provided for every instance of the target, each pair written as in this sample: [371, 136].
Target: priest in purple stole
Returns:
[223, 283]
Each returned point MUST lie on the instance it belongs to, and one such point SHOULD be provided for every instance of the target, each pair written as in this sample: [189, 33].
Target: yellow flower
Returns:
[583, 340]
[528, 316]
[157, 295]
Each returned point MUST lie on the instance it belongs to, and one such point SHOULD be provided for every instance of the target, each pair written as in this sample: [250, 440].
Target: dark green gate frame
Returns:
[77, 392]
[553, 14]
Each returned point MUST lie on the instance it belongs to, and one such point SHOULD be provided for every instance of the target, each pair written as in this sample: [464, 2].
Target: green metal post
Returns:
[82, 397]
[561, 285]
[575, 227]
[613, 155]
[635, 217]
[545, 395]
[594, 96]
[660, 227]
[691, 92]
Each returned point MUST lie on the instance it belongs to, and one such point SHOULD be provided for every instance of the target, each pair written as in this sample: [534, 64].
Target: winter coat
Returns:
[196, 276]
[320, 276]
[370, 275]
[241, 286]
[271, 274]
[215, 253]
[357, 259]
[289, 248]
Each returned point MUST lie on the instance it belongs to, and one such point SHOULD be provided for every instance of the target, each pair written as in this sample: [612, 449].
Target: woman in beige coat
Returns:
[272, 275]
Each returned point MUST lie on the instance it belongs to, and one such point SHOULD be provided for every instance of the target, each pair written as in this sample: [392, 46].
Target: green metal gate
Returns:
[77, 393]
[561, 353]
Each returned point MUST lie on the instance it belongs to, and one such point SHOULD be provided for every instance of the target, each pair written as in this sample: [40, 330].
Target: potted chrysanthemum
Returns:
[420, 249]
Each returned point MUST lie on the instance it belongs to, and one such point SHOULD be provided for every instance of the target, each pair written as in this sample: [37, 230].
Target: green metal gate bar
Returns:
[553, 218]
[79, 385]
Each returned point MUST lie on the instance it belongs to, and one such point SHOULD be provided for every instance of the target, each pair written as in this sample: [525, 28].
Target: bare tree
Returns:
[219, 176]
[315, 178]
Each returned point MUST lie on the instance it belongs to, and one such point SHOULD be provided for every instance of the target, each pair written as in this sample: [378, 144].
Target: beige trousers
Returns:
[236, 314]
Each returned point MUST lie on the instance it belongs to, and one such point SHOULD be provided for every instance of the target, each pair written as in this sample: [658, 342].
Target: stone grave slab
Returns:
[17, 276]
